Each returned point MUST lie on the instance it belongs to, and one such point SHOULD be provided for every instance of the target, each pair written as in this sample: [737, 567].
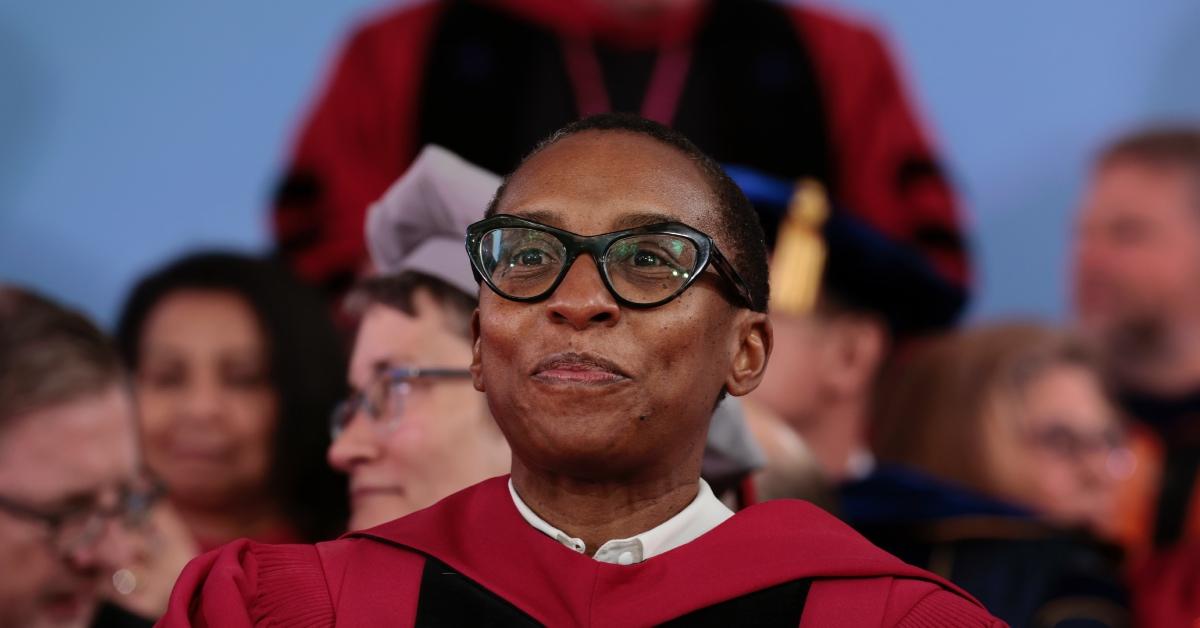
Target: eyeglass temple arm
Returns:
[731, 273]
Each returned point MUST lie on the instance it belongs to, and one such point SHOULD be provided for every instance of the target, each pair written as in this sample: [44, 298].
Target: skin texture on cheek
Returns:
[679, 369]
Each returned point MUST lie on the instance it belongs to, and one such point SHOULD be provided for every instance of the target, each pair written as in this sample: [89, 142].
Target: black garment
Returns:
[113, 616]
[1024, 571]
[1176, 423]
[449, 598]
[749, 64]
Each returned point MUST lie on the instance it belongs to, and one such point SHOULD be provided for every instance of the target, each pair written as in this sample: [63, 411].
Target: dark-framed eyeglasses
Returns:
[71, 529]
[384, 398]
[644, 267]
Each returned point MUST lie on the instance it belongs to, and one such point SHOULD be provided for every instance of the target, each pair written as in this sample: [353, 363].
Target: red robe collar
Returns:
[479, 533]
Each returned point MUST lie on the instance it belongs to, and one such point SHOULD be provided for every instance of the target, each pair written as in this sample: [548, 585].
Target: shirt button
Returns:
[626, 558]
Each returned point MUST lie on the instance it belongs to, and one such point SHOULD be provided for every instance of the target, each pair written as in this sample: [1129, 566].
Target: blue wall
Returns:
[1021, 94]
[132, 130]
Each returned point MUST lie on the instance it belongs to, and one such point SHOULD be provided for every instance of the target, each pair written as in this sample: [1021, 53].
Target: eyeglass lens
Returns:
[383, 402]
[642, 268]
[83, 528]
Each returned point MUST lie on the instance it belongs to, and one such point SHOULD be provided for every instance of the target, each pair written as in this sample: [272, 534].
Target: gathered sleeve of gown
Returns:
[243, 582]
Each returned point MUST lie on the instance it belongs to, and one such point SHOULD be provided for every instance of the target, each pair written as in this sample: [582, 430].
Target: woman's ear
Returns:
[753, 350]
[476, 358]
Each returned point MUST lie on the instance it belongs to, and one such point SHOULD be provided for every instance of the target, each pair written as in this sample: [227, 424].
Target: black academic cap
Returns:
[863, 268]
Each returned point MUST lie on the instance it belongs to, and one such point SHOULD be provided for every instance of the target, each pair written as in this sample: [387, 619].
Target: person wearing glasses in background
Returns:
[999, 457]
[72, 496]
[415, 430]
[602, 358]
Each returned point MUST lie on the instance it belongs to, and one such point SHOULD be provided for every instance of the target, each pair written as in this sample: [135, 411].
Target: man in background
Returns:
[1136, 290]
[846, 297]
[69, 477]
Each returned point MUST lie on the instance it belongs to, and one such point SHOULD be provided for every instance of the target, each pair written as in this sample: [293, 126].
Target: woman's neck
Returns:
[599, 511]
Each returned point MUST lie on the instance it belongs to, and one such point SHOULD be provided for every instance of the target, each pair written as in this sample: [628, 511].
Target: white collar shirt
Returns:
[704, 513]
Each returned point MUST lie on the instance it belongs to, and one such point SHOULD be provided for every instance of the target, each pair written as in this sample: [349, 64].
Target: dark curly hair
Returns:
[307, 370]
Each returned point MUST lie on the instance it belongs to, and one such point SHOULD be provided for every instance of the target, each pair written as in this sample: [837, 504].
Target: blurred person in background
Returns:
[787, 89]
[999, 457]
[414, 429]
[845, 297]
[72, 495]
[1137, 296]
[236, 368]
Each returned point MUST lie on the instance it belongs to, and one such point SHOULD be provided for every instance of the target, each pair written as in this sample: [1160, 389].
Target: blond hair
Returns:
[932, 409]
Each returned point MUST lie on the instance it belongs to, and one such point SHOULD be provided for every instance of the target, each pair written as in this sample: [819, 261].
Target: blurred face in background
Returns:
[825, 359]
[1058, 448]
[791, 386]
[437, 436]
[66, 461]
[208, 409]
[1137, 258]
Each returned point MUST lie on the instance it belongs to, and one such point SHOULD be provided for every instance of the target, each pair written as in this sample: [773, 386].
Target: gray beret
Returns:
[420, 222]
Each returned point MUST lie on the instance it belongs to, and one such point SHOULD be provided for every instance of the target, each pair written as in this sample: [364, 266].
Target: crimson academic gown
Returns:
[472, 559]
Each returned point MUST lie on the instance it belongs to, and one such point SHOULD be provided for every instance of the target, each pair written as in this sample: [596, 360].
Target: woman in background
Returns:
[999, 454]
[236, 368]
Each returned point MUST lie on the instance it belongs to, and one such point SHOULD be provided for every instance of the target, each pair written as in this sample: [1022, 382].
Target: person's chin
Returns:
[66, 610]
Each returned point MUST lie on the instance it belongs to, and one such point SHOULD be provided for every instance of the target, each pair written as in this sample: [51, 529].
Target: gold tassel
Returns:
[799, 259]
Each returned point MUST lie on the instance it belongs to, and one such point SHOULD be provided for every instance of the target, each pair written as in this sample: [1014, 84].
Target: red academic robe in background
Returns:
[472, 558]
[790, 91]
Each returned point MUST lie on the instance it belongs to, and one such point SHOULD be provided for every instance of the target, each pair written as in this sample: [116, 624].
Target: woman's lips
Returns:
[581, 376]
[578, 368]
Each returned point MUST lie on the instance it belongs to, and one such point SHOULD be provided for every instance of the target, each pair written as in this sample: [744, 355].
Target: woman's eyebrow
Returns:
[641, 219]
[628, 220]
[542, 216]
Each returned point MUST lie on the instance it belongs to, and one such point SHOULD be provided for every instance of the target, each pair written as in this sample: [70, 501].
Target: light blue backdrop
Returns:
[132, 130]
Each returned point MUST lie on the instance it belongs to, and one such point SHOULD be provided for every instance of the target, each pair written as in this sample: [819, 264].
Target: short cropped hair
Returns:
[1176, 146]
[398, 291]
[49, 354]
[738, 221]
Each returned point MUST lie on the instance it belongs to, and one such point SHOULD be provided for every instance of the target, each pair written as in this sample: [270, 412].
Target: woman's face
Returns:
[1071, 448]
[442, 439]
[208, 410]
